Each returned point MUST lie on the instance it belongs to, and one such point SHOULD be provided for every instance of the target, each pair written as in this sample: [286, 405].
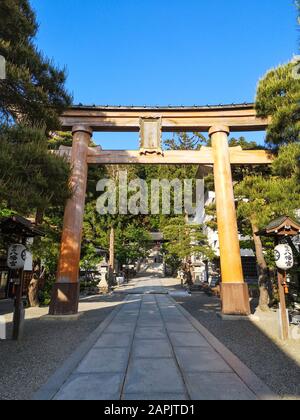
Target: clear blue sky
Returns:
[161, 52]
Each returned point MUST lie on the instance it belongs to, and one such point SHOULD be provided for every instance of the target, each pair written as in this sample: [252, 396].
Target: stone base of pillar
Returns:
[235, 299]
[65, 297]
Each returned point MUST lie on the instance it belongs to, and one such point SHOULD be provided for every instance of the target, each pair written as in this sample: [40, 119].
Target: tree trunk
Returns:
[35, 284]
[33, 292]
[263, 272]
[111, 257]
[112, 249]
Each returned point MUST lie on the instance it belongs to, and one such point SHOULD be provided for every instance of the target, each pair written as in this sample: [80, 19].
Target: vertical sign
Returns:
[16, 257]
[2, 68]
[2, 328]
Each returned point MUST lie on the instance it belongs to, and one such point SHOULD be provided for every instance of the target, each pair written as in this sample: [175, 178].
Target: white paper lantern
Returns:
[16, 257]
[284, 257]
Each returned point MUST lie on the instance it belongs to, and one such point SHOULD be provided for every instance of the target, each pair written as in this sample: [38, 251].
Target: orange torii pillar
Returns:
[65, 295]
[234, 290]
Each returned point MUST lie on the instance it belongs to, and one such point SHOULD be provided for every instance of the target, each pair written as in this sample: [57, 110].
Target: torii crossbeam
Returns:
[151, 122]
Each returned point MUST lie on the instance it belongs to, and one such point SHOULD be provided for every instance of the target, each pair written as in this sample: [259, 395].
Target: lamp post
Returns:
[17, 230]
[282, 229]
[284, 261]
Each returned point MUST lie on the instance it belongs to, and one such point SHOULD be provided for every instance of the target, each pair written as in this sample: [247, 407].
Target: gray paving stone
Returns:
[148, 307]
[175, 320]
[114, 340]
[152, 349]
[217, 387]
[170, 310]
[150, 322]
[129, 310]
[179, 327]
[152, 373]
[155, 397]
[148, 376]
[150, 318]
[149, 301]
[173, 315]
[151, 333]
[120, 328]
[134, 306]
[150, 311]
[200, 359]
[93, 387]
[126, 319]
[103, 360]
[188, 339]
[167, 304]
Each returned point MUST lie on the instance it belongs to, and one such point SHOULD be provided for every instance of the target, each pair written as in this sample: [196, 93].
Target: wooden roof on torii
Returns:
[239, 117]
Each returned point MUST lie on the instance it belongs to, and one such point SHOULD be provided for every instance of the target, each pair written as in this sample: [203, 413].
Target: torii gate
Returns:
[219, 121]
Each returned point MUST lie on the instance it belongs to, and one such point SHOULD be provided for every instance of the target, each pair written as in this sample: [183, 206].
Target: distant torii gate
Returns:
[219, 121]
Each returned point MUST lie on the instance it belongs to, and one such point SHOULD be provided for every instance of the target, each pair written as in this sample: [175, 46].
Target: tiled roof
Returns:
[166, 107]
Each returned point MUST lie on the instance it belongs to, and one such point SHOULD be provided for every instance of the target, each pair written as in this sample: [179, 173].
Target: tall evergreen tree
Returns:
[278, 97]
[33, 182]
[261, 199]
[33, 91]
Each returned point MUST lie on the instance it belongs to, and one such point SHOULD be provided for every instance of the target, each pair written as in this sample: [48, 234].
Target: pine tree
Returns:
[183, 241]
[33, 182]
[33, 91]
[261, 199]
[278, 97]
[185, 141]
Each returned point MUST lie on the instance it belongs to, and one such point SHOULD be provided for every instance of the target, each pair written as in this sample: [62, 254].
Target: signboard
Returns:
[2, 68]
[284, 257]
[2, 328]
[16, 257]
[28, 262]
[150, 135]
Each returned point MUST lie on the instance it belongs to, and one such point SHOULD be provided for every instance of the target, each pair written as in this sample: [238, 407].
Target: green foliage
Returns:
[244, 143]
[184, 240]
[4, 212]
[185, 141]
[131, 236]
[132, 243]
[30, 177]
[263, 198]
[60, 138]
[34, 89]
[33, 182]
[287, 163]
[131, 232]
[278, 97]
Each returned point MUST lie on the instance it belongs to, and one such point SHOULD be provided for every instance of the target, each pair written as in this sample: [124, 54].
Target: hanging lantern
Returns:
[16, 257]
[284, 257]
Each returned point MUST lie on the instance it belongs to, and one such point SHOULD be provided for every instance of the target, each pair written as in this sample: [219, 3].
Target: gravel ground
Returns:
[27, 365]
[255, 343]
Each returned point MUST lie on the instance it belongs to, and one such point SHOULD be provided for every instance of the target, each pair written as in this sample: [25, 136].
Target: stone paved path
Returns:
[150, 349]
